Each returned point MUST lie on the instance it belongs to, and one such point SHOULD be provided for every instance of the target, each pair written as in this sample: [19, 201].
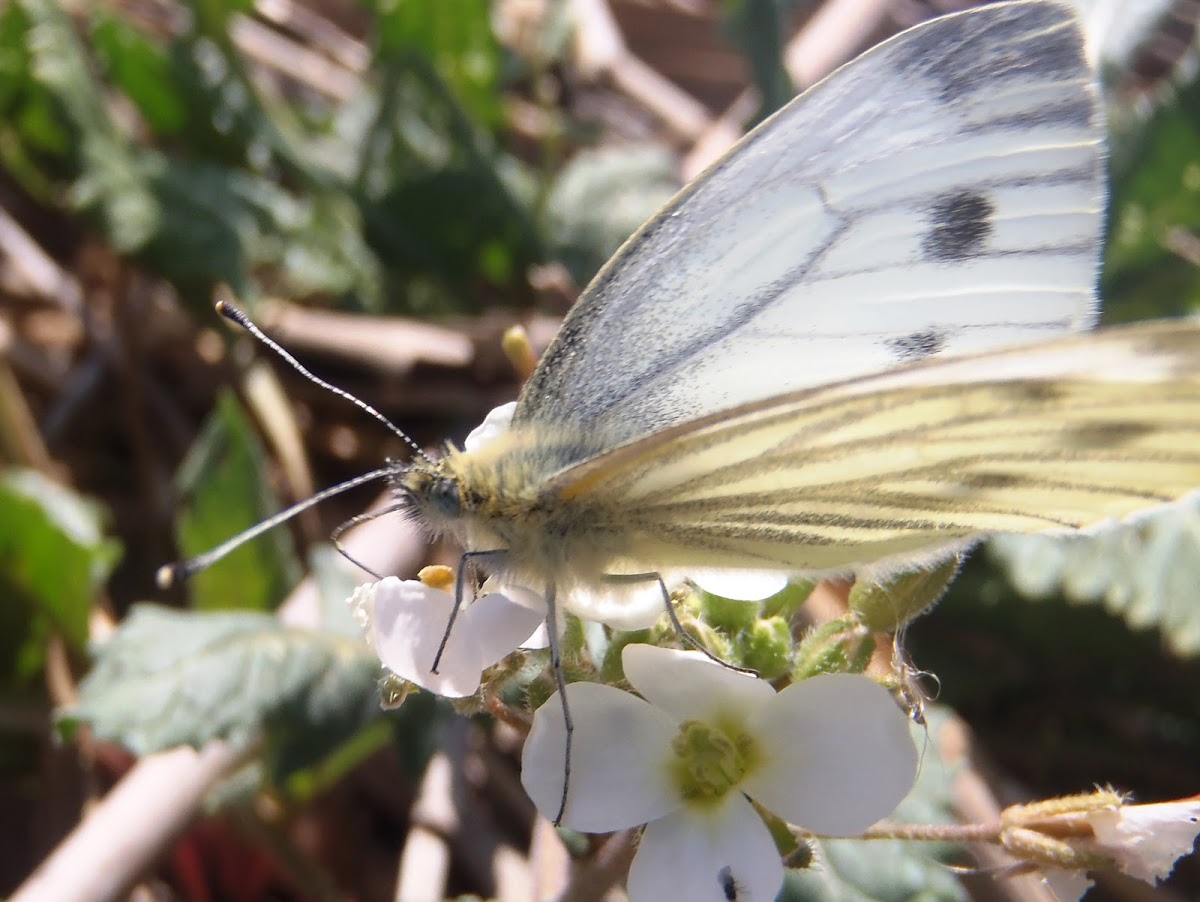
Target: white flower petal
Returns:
[515, 592]
[838, 754]
[497, 626]
[407, 624]
[625, 607]
[496, 423]
[1064, 885]
[619, 760]
[526, 598]
[689, 686]
[700, 857]
[539, 638]
[741, 585]
[1146, 840]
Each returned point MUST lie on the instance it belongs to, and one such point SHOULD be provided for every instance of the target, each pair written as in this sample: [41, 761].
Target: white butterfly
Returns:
[794, 365]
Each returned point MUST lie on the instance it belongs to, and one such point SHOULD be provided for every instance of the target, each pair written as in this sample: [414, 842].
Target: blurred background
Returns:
[387, 186]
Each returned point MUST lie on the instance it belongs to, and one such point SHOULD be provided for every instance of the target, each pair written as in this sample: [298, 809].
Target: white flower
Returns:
[1064, 885]
[404, 621]
[496, 423]
[1098, 830]
[1146, 840]
[832, 754]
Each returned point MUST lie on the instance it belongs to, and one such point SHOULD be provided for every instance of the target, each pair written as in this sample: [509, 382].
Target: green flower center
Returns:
[710, 760]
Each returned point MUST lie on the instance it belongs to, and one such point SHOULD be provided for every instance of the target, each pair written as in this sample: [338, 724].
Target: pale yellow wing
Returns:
[897, 468]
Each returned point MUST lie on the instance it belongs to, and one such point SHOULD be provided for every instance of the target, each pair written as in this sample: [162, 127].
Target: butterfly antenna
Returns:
[237, 315]
[172, 574]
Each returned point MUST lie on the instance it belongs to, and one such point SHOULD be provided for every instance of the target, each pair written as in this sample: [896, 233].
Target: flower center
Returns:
[710, 761]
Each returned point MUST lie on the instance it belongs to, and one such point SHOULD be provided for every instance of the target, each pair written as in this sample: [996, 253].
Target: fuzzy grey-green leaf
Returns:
[168, 678]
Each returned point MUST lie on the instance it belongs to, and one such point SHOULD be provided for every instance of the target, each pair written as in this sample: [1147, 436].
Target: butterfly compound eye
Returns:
[444, 497]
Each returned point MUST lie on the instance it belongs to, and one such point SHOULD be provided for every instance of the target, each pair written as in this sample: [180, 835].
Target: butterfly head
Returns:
[454, 496]
[433, 493]
[489, 498]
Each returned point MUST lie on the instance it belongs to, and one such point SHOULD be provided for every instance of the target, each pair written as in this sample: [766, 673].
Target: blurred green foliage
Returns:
[54, 559]
[223, 489]
[1152, 263]
[396, 198]
[757, 29]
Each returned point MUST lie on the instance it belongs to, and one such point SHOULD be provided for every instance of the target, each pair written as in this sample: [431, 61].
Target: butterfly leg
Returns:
[561, 683]
[341, 529]
[688, 638]
[465, 562]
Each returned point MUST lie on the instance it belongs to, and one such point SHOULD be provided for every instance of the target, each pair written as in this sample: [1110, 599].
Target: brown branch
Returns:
[600, 50]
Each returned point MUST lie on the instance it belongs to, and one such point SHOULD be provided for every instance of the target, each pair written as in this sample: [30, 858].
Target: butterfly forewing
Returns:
[886, 469]
[939, 195]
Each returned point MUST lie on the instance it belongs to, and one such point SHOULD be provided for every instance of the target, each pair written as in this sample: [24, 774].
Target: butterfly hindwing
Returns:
[906, 464]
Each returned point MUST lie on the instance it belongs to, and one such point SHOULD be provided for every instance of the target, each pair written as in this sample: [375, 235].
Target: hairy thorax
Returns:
[504, 497]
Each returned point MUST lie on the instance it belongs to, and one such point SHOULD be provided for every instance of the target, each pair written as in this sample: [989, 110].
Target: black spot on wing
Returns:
[960, 223]
[729, 887]
[918, 345]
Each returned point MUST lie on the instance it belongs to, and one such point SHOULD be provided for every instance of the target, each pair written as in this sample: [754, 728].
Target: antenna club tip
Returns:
[230, 311]
[166, 576]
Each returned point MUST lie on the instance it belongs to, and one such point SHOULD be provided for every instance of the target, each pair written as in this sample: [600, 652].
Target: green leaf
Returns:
[140, 69]
[167, 678]
[113, 176]
[787, 603]
[423, 162]
[227, 123]
[218, 215]
[321, 249]
[838, 646]
[1151, 260]
[33, 127]
[888, 606]
[306, 768]
[224, 488]
[732, 616]
[849, 870]
[53, 559]
[756, 27]
[600, 198]
[458, 42]
[336, 580]
[1146, 571]
[14, 55]
[114, 188]
[60, 62]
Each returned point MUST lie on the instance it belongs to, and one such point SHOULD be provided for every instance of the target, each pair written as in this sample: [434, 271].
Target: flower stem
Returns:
[989, 833]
